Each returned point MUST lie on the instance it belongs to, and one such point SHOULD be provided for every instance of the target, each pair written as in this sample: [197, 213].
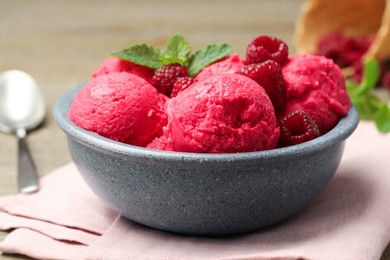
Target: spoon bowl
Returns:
[21, 102]
[22, 108]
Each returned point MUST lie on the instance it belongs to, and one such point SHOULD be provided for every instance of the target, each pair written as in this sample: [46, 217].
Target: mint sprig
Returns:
[177, 51]
[363, 96]
[382, 118]
[206, 56]
[141, 54]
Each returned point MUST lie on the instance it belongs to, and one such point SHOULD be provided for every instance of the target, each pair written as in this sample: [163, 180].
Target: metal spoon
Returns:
[22, 108]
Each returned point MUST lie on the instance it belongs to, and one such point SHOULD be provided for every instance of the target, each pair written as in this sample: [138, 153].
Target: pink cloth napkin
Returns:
[350, 219]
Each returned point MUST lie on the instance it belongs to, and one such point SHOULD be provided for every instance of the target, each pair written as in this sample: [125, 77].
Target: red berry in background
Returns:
[265, 48]
[165, 77]
[342, 49]
[296, 128]
[268, 74]
[331, 46]
[355, 48]
[181, 84]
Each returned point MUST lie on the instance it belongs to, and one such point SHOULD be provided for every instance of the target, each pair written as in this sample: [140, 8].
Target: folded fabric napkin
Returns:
[350, 219]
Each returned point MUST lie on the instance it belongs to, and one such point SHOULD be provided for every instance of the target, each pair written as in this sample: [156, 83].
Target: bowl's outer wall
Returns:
[203, 197]
[199, 193]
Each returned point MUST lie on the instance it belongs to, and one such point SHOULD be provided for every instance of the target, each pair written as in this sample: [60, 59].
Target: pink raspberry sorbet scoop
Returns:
[316, 85]
[112, 64]
[228, 65]
[226, 113]
[120, 106]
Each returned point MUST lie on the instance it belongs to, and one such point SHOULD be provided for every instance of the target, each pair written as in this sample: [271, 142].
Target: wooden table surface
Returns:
[61, 42]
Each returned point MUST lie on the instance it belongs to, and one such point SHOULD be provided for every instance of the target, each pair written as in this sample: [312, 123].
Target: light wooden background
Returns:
[61, 42]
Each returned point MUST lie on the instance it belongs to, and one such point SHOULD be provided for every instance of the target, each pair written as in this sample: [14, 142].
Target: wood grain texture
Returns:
[60, 43]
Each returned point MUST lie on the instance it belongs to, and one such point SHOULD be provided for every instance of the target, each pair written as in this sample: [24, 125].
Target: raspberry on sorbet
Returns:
[264, 48]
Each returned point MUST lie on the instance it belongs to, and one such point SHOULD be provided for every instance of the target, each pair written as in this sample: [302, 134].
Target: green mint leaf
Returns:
[367, 105]
[371, 74]
[351, 87]
[382, 119]
[141, 54]
[177, 51]
[206, 56]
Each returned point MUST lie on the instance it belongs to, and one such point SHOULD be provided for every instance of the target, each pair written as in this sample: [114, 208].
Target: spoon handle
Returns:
[28, 180]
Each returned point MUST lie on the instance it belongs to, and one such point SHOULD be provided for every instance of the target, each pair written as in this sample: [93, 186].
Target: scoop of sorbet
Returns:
[228, 65]
[226, 113]
[112, 64]
[316, 85]
[120, 106]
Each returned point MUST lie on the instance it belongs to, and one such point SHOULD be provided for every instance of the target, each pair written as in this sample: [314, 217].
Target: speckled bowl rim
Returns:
[344, 128]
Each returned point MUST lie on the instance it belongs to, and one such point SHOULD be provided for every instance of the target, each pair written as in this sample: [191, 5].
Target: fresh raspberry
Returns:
[265, 48]
[354, 48]
[297, 127]
[343, 50]
[165, 77]
[181, 84]
[331, 46]
[268, 74]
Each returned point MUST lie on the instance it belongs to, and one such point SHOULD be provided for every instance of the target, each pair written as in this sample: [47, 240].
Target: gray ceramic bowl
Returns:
[204, 194]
